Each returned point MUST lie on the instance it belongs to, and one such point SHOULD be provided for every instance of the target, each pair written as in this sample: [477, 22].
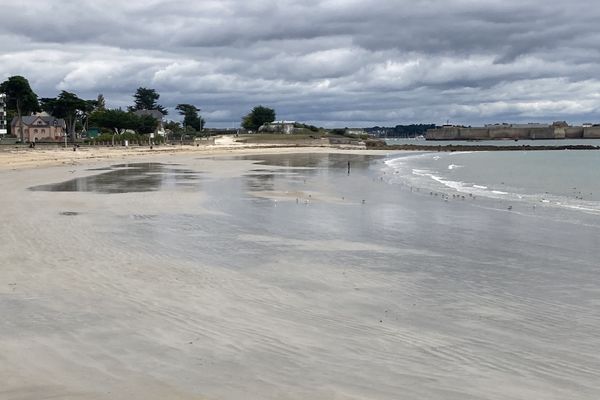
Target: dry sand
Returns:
[17, 158]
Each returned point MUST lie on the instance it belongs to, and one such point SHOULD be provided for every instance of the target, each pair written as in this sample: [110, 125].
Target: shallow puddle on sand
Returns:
[127, 178]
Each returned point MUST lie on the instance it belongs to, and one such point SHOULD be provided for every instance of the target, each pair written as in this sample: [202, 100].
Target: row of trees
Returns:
[412, 130]
[120, 121]
[81, 114]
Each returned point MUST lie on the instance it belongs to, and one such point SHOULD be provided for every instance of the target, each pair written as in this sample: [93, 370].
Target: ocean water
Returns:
[560, 179]
[286, 277]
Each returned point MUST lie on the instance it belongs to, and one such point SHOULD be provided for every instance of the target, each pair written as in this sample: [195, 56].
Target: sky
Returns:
[331, 63]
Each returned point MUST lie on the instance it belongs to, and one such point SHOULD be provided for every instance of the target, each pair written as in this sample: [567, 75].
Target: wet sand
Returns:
[199, 276]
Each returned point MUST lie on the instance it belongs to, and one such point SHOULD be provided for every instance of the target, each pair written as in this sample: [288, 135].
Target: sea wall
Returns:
[544, 133]
[509, 132]
[574, 132]
[592, 132]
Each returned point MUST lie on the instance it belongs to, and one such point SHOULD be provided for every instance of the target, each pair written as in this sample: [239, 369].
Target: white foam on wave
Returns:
[421, 172]
[584, 208]
[469, 188]
[431, 179]
[400, 161]
[456, 185]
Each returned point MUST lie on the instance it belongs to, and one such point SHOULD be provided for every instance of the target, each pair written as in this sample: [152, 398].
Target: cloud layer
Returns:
[329, 62]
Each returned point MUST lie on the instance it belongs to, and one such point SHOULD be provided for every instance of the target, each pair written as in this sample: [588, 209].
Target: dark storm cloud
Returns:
[336, 62]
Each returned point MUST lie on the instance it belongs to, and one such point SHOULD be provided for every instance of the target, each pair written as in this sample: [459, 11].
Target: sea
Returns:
[412, 275]
[567, 179]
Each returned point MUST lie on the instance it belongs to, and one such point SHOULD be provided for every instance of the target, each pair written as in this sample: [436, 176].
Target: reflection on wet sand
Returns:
[127, 178]
[313, 160]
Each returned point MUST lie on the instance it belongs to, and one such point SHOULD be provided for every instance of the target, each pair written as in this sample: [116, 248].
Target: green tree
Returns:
[173, 126]
[191, 118]
[67, 106]
[100, 102]
[90, 107]
[116, 120]
[144, 124]
[119, 121]
[257, 117]
[20, 98]
[146, 99]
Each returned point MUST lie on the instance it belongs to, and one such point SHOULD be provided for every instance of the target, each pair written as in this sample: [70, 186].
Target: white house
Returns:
[286, 127]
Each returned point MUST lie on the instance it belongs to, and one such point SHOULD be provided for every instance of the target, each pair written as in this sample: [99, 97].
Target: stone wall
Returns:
[543, 133]
[592, 132]
[473, 133]
[574, 132]
[445, 133]
[508, 132]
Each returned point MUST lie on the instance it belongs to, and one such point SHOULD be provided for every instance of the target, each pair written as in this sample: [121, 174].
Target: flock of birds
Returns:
[446, 197]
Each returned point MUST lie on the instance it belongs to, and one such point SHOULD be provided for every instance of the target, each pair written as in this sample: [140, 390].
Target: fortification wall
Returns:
[560, 132]
[592, 132]
[443, 134]
[473, 133]
[574, 132]
[509, 133]
[541, 133]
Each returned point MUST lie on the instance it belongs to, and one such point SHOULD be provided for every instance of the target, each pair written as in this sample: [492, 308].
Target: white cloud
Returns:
[328, 62]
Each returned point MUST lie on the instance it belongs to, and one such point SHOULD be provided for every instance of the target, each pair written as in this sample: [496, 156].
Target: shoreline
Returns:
[18, 159]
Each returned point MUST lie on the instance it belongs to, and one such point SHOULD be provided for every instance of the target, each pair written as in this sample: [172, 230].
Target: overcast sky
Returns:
[328, 63]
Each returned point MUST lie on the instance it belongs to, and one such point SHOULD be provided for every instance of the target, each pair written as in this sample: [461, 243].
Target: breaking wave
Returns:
[425, 173]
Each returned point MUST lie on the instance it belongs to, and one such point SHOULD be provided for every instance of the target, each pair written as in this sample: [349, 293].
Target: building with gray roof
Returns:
[39, 127]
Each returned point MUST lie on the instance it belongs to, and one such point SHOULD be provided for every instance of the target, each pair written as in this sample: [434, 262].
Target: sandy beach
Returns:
[274, 274]
[21, 157]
